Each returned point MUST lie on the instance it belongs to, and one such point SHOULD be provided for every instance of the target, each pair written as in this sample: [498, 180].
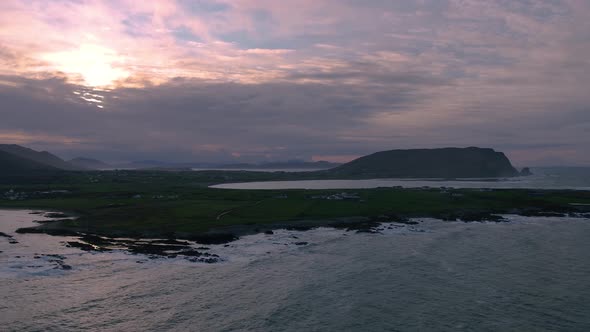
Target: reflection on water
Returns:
[530, 274]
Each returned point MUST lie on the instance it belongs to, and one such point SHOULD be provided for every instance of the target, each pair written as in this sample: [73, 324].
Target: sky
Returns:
[267, 80]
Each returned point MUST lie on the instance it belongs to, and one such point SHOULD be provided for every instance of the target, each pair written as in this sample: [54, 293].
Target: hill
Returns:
[469, 162]
[89, 163]
[282, 165]
[44, 157]
[11, 164]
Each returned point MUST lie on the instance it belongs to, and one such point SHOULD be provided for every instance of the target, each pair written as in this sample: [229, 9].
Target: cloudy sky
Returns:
[253, 80]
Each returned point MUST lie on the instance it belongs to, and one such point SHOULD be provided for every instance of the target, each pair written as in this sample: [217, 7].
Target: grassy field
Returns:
[180, 204]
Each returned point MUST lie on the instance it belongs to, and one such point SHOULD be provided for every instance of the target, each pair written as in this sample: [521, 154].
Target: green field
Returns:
[180, 204]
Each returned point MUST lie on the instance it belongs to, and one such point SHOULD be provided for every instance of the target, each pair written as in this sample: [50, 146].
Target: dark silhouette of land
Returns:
[27, 156]
[469, 162]
[90, 163]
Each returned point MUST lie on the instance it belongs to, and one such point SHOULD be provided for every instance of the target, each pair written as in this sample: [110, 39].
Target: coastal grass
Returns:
[180, 204]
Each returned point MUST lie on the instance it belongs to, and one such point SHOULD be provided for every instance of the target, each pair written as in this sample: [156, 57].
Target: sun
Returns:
[96, 65]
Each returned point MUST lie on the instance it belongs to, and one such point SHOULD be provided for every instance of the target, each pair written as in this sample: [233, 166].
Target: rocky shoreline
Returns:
[191, 247]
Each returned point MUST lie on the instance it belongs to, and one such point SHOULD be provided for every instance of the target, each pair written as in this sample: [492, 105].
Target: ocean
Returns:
[529, 274]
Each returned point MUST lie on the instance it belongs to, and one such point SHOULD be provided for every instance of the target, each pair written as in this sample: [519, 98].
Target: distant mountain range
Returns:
[42, 158]
[15, 158]
[89, 163]
[277, 165]
[469, 162]
[11, 163]
[154, 164]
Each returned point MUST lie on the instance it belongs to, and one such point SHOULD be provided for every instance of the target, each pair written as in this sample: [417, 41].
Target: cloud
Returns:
[295, 79]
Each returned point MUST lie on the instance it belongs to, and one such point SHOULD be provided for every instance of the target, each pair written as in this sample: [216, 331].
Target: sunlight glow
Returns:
[95, 64]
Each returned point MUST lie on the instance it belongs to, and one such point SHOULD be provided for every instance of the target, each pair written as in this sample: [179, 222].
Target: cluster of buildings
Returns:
[339, 197]
[138, 196]
[13, 195]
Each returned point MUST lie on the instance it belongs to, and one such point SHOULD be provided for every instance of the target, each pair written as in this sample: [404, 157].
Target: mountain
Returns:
[10, 163]
[283, 165]
[469, 162]
[145, 164]
[286, 165]
[89, 163]
[44, 157]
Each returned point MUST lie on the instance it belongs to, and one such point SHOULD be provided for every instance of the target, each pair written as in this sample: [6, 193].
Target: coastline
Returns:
[182, 206]
[96, 239]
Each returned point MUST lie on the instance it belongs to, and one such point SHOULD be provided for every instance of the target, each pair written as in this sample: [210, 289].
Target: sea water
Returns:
[529, 274]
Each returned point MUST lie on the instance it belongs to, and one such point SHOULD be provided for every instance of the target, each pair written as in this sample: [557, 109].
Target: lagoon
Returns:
[576, 178]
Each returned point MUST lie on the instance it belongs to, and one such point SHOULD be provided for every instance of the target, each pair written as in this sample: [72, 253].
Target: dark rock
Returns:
[300, 228]
[192, 253]
[214, 238]
[152, 249]
[407, 222]
[369, 230]
[51, 221]
[471, 217]
[392, 218]
[56, 215]
[209, 260]
[171, 241]
[537, 213]
[56, 232]
[83, 246]
[95, 240]
[526, 172]
[55, 256]
[269, 232]
[10, 238]
[302, 243]
[360, 226]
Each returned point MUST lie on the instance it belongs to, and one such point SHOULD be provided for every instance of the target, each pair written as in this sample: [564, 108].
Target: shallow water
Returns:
[543, 178]
[528, 274]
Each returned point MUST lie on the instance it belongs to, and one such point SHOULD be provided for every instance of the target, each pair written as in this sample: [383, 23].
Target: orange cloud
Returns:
[21, 137]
